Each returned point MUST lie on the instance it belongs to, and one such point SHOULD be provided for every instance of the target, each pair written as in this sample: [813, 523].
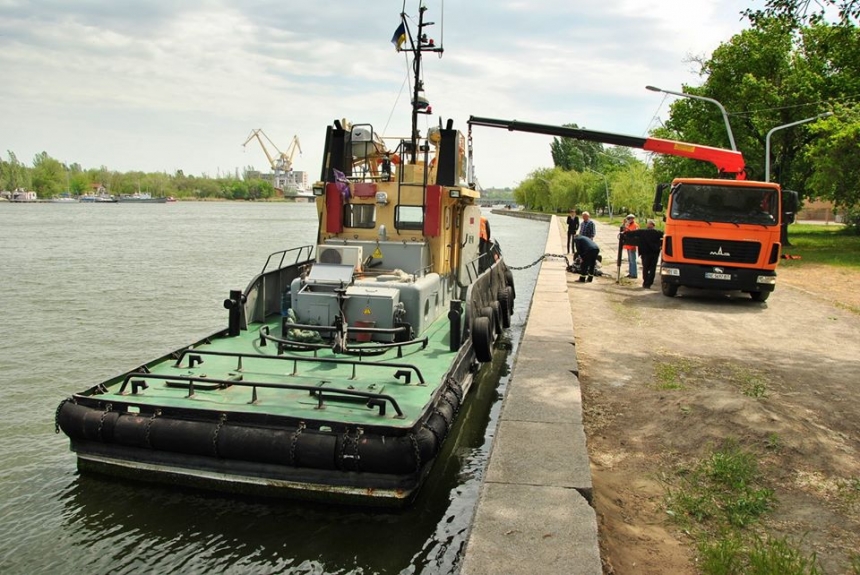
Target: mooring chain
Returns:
[221, 421]
[107, 410]
[149, 423]
[355, 455]
[417, 451]
[295, 440]
[540, 259]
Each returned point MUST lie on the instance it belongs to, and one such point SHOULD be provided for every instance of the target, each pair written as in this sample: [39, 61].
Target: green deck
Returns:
[433, 362]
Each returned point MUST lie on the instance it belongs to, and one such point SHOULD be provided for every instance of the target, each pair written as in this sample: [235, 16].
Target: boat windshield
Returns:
[730, 204]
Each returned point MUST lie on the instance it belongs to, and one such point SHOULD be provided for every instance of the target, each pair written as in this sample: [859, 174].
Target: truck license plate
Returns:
[714, 276]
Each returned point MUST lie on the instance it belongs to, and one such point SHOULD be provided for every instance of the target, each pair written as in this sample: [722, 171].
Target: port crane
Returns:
[282, 162]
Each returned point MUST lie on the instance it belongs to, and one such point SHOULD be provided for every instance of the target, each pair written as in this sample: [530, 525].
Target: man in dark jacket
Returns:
[650, 242]
[588, 251]
[572, 228]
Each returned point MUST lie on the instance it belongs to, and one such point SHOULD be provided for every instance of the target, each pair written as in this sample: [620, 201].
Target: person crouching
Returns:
[588, 251]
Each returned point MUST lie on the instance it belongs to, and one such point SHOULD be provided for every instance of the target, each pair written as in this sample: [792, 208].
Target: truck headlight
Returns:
[770, 280]
[664, 271]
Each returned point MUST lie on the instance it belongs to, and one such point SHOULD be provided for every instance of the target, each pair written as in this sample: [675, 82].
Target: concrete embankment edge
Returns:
[534, 514]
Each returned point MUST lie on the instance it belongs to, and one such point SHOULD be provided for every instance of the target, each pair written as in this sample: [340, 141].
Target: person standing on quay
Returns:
[572, 227]
[587, 228]
[630, 225]
[650, 242]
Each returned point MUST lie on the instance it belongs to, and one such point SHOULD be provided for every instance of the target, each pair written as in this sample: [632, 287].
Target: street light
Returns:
[606, 186]
[722, 109]
[767, 140]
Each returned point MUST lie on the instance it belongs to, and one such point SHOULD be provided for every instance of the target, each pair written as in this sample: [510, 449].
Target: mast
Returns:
[419, 44]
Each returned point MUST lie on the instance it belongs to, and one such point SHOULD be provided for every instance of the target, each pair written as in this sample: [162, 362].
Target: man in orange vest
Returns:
[630, 225]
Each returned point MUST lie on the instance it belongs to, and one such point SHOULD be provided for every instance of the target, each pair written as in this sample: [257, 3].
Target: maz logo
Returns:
[720, 252]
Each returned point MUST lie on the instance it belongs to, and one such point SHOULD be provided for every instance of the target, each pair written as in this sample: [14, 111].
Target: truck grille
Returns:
[722, 251]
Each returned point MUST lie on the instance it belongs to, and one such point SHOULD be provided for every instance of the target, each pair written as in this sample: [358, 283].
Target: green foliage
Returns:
[799, 12]
[13, 174]
[48, 175]
[768, 77]
[552, 190]
[633, 188]
[834, 153]
[575, 155]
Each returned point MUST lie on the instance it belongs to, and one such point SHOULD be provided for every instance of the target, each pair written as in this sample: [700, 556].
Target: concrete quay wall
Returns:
[534, 511]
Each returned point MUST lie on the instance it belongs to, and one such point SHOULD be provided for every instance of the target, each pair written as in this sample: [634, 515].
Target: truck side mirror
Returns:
[789, 201]
[658, 198]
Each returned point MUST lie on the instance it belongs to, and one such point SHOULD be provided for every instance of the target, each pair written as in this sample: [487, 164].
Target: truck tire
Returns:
[759, 295]
[669, 290]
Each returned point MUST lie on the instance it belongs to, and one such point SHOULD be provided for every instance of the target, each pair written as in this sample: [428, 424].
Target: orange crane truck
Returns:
[721, 233]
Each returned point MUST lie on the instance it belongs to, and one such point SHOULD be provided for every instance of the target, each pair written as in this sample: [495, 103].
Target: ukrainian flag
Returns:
[399, 36]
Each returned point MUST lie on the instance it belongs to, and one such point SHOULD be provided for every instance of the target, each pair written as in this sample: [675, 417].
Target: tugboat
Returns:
[344, 363]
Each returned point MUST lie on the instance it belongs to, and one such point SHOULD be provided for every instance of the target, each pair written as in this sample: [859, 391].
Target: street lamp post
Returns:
[722, 109]
[767, 140]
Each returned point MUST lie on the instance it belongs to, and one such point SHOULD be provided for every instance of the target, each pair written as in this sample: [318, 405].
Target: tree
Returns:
[633, 188]
[571, 154]
[13, 174]
[797, 12]
[837, 167]
[49, 175]
[766, 77]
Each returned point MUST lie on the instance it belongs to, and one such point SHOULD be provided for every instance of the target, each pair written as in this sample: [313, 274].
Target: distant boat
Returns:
[63, 199]
[142, 198]
[100, 198]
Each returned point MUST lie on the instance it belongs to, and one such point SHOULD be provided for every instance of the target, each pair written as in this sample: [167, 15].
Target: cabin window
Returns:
[359, 215]
[409, 217]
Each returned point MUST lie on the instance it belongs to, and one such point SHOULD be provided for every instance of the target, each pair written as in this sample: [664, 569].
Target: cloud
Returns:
[161, 86]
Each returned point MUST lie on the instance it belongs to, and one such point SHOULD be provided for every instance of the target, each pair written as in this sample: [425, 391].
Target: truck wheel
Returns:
[759, 295]
[669, 290]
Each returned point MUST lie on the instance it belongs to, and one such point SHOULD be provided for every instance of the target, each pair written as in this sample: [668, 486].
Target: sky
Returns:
[167, 85]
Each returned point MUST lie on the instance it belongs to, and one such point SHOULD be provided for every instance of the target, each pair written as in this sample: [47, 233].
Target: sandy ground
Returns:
[801, 348]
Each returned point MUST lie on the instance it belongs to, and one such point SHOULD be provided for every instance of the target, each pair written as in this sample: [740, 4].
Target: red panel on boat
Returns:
[364, 189]
[334, 209]
[433, 214]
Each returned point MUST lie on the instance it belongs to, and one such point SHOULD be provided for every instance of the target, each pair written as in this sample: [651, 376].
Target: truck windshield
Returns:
[731, 204]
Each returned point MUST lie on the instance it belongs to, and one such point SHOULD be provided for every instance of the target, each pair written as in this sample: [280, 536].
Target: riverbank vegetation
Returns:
[50, 177]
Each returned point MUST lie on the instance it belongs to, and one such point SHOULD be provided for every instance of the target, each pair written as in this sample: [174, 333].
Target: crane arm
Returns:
[256, 134]
[727, 162]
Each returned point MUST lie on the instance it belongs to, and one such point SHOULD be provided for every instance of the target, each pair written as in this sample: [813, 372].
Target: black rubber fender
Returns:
[482, 339]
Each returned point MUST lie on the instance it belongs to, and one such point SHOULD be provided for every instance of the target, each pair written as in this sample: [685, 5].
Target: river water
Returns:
[91, 290]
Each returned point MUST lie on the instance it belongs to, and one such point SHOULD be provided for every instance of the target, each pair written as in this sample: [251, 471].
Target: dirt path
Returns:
[781, 378]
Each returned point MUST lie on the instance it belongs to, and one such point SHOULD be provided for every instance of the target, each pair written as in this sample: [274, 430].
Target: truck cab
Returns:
[721, 234]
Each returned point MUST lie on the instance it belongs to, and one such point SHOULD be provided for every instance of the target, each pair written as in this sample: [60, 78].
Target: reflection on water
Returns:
[54, 520]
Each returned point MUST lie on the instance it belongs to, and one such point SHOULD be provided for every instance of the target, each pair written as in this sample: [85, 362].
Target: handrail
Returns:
[295, 359]
[283, 253]
[314, 390]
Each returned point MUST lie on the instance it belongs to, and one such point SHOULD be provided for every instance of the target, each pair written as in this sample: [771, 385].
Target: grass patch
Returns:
[758, 556]
[719, 501]
[723, 491]
[680, 373]
[673, 374]
[833, 245]
[751, 383]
